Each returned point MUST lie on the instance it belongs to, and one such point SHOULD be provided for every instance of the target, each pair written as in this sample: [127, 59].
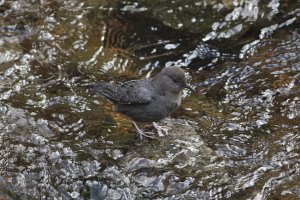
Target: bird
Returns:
[147, 100]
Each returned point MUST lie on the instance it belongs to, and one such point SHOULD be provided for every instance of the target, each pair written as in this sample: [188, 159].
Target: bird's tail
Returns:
[98, 88]
[107, 90]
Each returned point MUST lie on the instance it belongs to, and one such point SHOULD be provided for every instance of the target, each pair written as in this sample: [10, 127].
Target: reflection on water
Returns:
[238, 139]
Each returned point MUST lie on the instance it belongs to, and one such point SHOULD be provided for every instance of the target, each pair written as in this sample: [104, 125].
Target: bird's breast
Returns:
[173, 101]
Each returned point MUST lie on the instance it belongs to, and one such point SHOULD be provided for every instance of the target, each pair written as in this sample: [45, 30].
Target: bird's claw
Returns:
[142, 133]
[161, 130]
[145, 134]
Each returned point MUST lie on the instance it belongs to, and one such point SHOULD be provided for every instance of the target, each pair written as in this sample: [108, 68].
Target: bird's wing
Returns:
[131, 92]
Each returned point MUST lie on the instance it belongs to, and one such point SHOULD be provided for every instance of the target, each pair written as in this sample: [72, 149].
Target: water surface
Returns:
[238, 139]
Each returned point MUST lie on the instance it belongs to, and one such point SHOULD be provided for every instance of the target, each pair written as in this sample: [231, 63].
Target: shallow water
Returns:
[237, 139]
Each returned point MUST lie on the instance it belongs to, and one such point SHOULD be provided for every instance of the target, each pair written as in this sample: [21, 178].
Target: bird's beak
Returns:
[189, 87]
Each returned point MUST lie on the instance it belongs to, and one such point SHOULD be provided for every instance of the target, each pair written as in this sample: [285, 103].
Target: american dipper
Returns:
[147, 100]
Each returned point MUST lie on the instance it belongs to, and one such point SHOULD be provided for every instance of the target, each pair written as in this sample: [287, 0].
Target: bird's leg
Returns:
[161, 130]
[141, 132]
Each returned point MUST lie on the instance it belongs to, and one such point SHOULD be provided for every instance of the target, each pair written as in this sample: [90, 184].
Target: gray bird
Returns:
[147, 100]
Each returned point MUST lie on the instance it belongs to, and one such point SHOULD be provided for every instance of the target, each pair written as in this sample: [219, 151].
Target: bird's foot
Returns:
[142, 134]
[145, 134]
[161, 130]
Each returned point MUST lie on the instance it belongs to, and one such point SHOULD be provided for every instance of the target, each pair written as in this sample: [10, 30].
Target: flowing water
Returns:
[239, 138]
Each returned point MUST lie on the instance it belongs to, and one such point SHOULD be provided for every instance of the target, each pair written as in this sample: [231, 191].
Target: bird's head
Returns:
[173, 79]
